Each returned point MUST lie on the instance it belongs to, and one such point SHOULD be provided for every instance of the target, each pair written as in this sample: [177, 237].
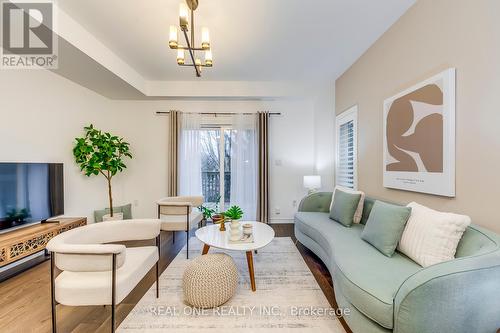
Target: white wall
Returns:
[324, 135]
[41, 113]
[291, 145]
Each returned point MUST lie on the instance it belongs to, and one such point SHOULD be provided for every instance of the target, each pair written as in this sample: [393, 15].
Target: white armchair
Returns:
[180, 214]
[97, 273]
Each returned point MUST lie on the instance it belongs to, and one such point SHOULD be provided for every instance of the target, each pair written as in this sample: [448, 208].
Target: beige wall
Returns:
[434, 35]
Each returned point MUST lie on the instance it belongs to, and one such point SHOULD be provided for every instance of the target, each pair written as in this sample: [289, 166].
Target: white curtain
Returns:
[190, 155]
[244, 170]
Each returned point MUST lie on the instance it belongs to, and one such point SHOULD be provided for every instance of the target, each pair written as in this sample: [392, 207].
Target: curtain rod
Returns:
[220, 113]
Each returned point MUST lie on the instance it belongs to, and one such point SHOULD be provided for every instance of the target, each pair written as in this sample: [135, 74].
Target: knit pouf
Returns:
[210, 280]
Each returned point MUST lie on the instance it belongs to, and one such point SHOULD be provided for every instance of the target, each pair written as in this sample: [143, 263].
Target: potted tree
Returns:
[101, 153]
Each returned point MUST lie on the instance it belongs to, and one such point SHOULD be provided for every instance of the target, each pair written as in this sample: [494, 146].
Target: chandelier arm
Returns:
[193, 65]
[191, 52]
[190, 48]
[193, 42]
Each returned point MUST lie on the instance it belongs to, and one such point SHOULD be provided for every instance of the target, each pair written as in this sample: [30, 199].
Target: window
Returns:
[346, 137]
[216, 167]
[228, 162]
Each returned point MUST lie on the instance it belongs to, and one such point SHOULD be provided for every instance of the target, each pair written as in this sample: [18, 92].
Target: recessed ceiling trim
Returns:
[75, 34]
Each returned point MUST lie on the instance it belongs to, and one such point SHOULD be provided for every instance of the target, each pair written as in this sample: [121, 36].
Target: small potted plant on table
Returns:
[212, 213]
[234, 213]
[207, 212]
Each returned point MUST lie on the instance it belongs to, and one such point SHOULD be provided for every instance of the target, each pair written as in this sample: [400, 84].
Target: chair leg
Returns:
[187, 231]
[53, 291]
[173, 236]
[157, 283]
[187, 244]
[113, 296]
[158, 244]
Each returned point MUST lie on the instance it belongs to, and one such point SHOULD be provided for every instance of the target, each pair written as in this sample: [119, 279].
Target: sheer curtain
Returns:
[190, 155]
[244, 170]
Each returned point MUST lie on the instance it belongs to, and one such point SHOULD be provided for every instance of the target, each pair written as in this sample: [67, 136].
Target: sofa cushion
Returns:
[431, 237]
[94, 288]
[368, 279]
[356, 320]
[179, 222]
[367, 208]
[385, 226]
[344, 207]
[359, 210]
[368, 205]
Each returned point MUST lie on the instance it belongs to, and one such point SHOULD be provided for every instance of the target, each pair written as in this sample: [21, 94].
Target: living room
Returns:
[250, 166]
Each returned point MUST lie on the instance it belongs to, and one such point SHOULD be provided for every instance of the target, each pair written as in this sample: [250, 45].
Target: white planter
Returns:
[115, 217]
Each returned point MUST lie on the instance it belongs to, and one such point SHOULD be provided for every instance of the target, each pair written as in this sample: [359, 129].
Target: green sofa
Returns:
[396, 294]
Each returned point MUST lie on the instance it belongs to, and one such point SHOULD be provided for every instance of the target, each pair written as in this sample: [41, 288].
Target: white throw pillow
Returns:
[431, 237]
[359, 210]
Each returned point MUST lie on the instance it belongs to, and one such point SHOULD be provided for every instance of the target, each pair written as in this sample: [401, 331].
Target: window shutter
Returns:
[346, 149]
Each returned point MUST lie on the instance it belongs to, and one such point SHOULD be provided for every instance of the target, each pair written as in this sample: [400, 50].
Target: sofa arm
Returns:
[87, 257]
[85, 249]
[316, 202]
[460, 296]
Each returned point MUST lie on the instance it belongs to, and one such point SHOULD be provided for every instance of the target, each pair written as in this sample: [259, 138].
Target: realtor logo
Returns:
[28, 40]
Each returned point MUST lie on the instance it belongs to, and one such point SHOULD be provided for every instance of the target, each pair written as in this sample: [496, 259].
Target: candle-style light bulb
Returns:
[172, 40]
[180, 57]
[183, 15]
[208, 58]
[197, 62]
[205, 38]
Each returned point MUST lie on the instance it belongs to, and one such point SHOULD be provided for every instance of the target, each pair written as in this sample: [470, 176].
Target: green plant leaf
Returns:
[234, 212]
[99, 152]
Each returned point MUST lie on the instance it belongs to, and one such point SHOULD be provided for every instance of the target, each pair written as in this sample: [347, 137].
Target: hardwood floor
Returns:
[25, 298]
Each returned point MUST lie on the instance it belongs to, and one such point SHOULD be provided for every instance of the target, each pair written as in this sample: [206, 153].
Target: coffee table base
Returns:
[250, 269]
[249, 262]
[205, 249]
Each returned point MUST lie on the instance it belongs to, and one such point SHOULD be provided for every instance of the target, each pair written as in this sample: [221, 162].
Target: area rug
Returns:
[288, 298]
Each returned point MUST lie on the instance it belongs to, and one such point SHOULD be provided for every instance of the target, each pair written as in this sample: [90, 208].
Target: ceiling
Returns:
[252, 40]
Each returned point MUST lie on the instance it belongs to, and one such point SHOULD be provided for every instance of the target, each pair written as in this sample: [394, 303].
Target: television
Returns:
[30, 193]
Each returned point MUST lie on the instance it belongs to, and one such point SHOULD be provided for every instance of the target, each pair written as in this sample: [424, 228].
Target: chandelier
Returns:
[185, 10]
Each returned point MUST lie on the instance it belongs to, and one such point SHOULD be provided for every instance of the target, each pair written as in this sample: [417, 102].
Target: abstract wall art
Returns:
[419, 137]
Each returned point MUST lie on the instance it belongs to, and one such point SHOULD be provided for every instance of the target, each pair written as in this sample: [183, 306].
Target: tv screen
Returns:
[30, 192]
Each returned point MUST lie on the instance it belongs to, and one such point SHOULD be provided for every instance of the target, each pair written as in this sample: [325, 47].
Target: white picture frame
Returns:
[441, 180]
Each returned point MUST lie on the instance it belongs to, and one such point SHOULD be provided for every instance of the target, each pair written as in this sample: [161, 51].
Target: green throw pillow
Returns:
[126, 210]
[344, 207]
[385, 226]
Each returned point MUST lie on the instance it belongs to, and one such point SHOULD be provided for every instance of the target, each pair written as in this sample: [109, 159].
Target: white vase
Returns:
[235, 230]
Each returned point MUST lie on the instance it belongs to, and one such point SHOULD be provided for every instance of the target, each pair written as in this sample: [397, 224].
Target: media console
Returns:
[20, 243]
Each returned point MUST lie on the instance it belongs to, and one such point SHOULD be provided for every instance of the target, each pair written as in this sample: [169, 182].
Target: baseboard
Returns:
[281, 220]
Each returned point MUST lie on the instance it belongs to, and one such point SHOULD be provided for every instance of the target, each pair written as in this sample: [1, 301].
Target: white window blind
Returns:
[346, 134]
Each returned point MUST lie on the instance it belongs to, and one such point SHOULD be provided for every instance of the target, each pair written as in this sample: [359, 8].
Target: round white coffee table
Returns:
[210, 236]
